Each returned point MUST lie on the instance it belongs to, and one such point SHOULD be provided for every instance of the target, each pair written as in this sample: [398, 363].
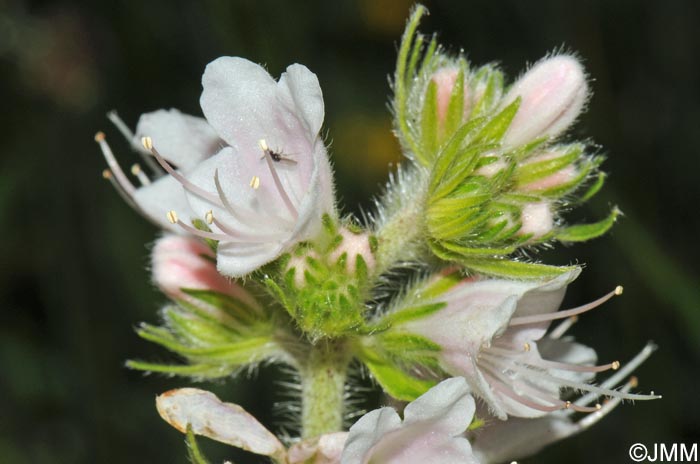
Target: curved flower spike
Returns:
[429, 433]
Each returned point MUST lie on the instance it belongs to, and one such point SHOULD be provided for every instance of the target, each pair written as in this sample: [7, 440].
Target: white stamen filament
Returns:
[126, 132]
[546, 364]
[257, 238]
[563, 314]
[561, 329]
[140, 175]
[200, 192]
[114, 165]
[107, 174]
[278, 183]
[172, 217]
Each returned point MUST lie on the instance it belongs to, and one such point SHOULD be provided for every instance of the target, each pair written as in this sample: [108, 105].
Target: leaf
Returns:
[583, 232]
[594, 188]
[411, 313]
[429, 123]
[497, 127]
[207, 371]
[514, 269]
[395, 381]
[455, 108]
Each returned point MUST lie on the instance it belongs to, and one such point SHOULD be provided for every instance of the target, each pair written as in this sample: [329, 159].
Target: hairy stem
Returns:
[323, 388]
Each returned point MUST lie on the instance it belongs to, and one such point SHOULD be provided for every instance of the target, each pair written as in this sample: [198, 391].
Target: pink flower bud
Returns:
[552, 94]
[354, 245]
[537, 219]
[445, 82]
[556, 179]
[183, 262]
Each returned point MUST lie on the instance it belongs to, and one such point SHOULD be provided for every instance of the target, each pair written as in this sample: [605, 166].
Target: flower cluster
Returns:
[432, 296]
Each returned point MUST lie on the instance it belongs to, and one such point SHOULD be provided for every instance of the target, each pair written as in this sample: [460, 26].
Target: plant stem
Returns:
[323, 388]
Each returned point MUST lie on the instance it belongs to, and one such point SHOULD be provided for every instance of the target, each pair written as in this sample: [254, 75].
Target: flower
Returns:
[516, 438]
[270, 183]
[431, 431]
[553, 94]
[493, 332]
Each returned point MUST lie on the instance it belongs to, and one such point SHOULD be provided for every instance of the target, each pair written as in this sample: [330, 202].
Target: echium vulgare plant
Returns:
[433, 295]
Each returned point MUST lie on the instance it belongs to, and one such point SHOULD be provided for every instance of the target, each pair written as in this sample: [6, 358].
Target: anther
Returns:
[172, 217]
[634, 382]
[263, 145]
[615, 365]
[147, 143]
[598, 406]
[567, 405]
[526, 347]
[106, 174]
[255, 182]
[99, 137]
[209, 217]
[618, 290]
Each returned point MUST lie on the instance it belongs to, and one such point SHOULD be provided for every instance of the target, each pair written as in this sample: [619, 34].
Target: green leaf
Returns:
[412, 313]
[429, 123]
[594, 188]
[234, 307]
[455, 108]
[537, 170]
[492, 91]
[498, 125]
[195, 455]
[514, 269]
[395, 381]
[583, 232]
[203, 371]
[402, 344]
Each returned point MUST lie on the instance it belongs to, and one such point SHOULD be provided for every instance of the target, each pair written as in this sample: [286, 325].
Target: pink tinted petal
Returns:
[182, 139]
[299, 89]
[325, 449]
[367, 432]
[537, 219]
[553, 93]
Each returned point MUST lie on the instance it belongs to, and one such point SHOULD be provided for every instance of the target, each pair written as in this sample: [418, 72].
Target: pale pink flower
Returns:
[553, 93]
[492, 332]
[431, 430]
[270, 183]
[354, 245]
[445, 80]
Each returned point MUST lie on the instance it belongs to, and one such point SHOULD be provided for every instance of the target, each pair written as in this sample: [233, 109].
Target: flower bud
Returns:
[552, 94]
[355, 247]
[180, 262]
[445, 80]
[558, 178]
[537, 219]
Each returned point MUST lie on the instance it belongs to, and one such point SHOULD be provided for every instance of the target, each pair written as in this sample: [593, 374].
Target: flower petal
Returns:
[158, 198]
[224, 422]
[448, 404]
[182, 139]
[367, 432]
[325, 449]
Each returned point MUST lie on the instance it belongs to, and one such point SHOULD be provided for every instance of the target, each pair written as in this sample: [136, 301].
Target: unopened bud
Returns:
[558, 178]
[445, 80]
[537, 219]
[552, 94]
[355, 246]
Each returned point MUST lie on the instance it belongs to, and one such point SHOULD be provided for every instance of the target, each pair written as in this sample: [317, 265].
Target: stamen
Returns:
[257, 238]
[210, 197]
[255, 182]
[547, 364]
[505, 387]
[172, 217]
[209, 217]
[114, 165]
[107, 174]
[562, 328]
[126, 132]
[235, 212]
[563, 314]
[140, 175]
[275, 177]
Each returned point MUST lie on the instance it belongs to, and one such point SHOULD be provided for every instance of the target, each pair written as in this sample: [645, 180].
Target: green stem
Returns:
[323, 388]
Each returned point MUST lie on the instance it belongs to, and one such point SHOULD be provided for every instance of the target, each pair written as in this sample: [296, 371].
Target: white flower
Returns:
[492, 332]
[265, 190]
[516, 438]
[431, 431]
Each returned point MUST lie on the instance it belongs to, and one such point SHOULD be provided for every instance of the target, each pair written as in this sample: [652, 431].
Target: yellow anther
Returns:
[618, 290]
[526, 347]
[136, 169]
[598, 406]
[172, 217]
[209, 217]
[147, 143]
[100, 137]
[263, 145]
[634, 381]
[255, 182]
[106, 174]
[615, 365]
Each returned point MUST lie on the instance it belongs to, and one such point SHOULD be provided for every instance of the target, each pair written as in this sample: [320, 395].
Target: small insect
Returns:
[275, 156]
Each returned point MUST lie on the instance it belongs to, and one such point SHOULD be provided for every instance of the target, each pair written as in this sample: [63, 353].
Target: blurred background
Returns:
[73, 278]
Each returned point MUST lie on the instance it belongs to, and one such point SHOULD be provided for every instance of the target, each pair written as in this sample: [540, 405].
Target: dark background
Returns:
[73, 277]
